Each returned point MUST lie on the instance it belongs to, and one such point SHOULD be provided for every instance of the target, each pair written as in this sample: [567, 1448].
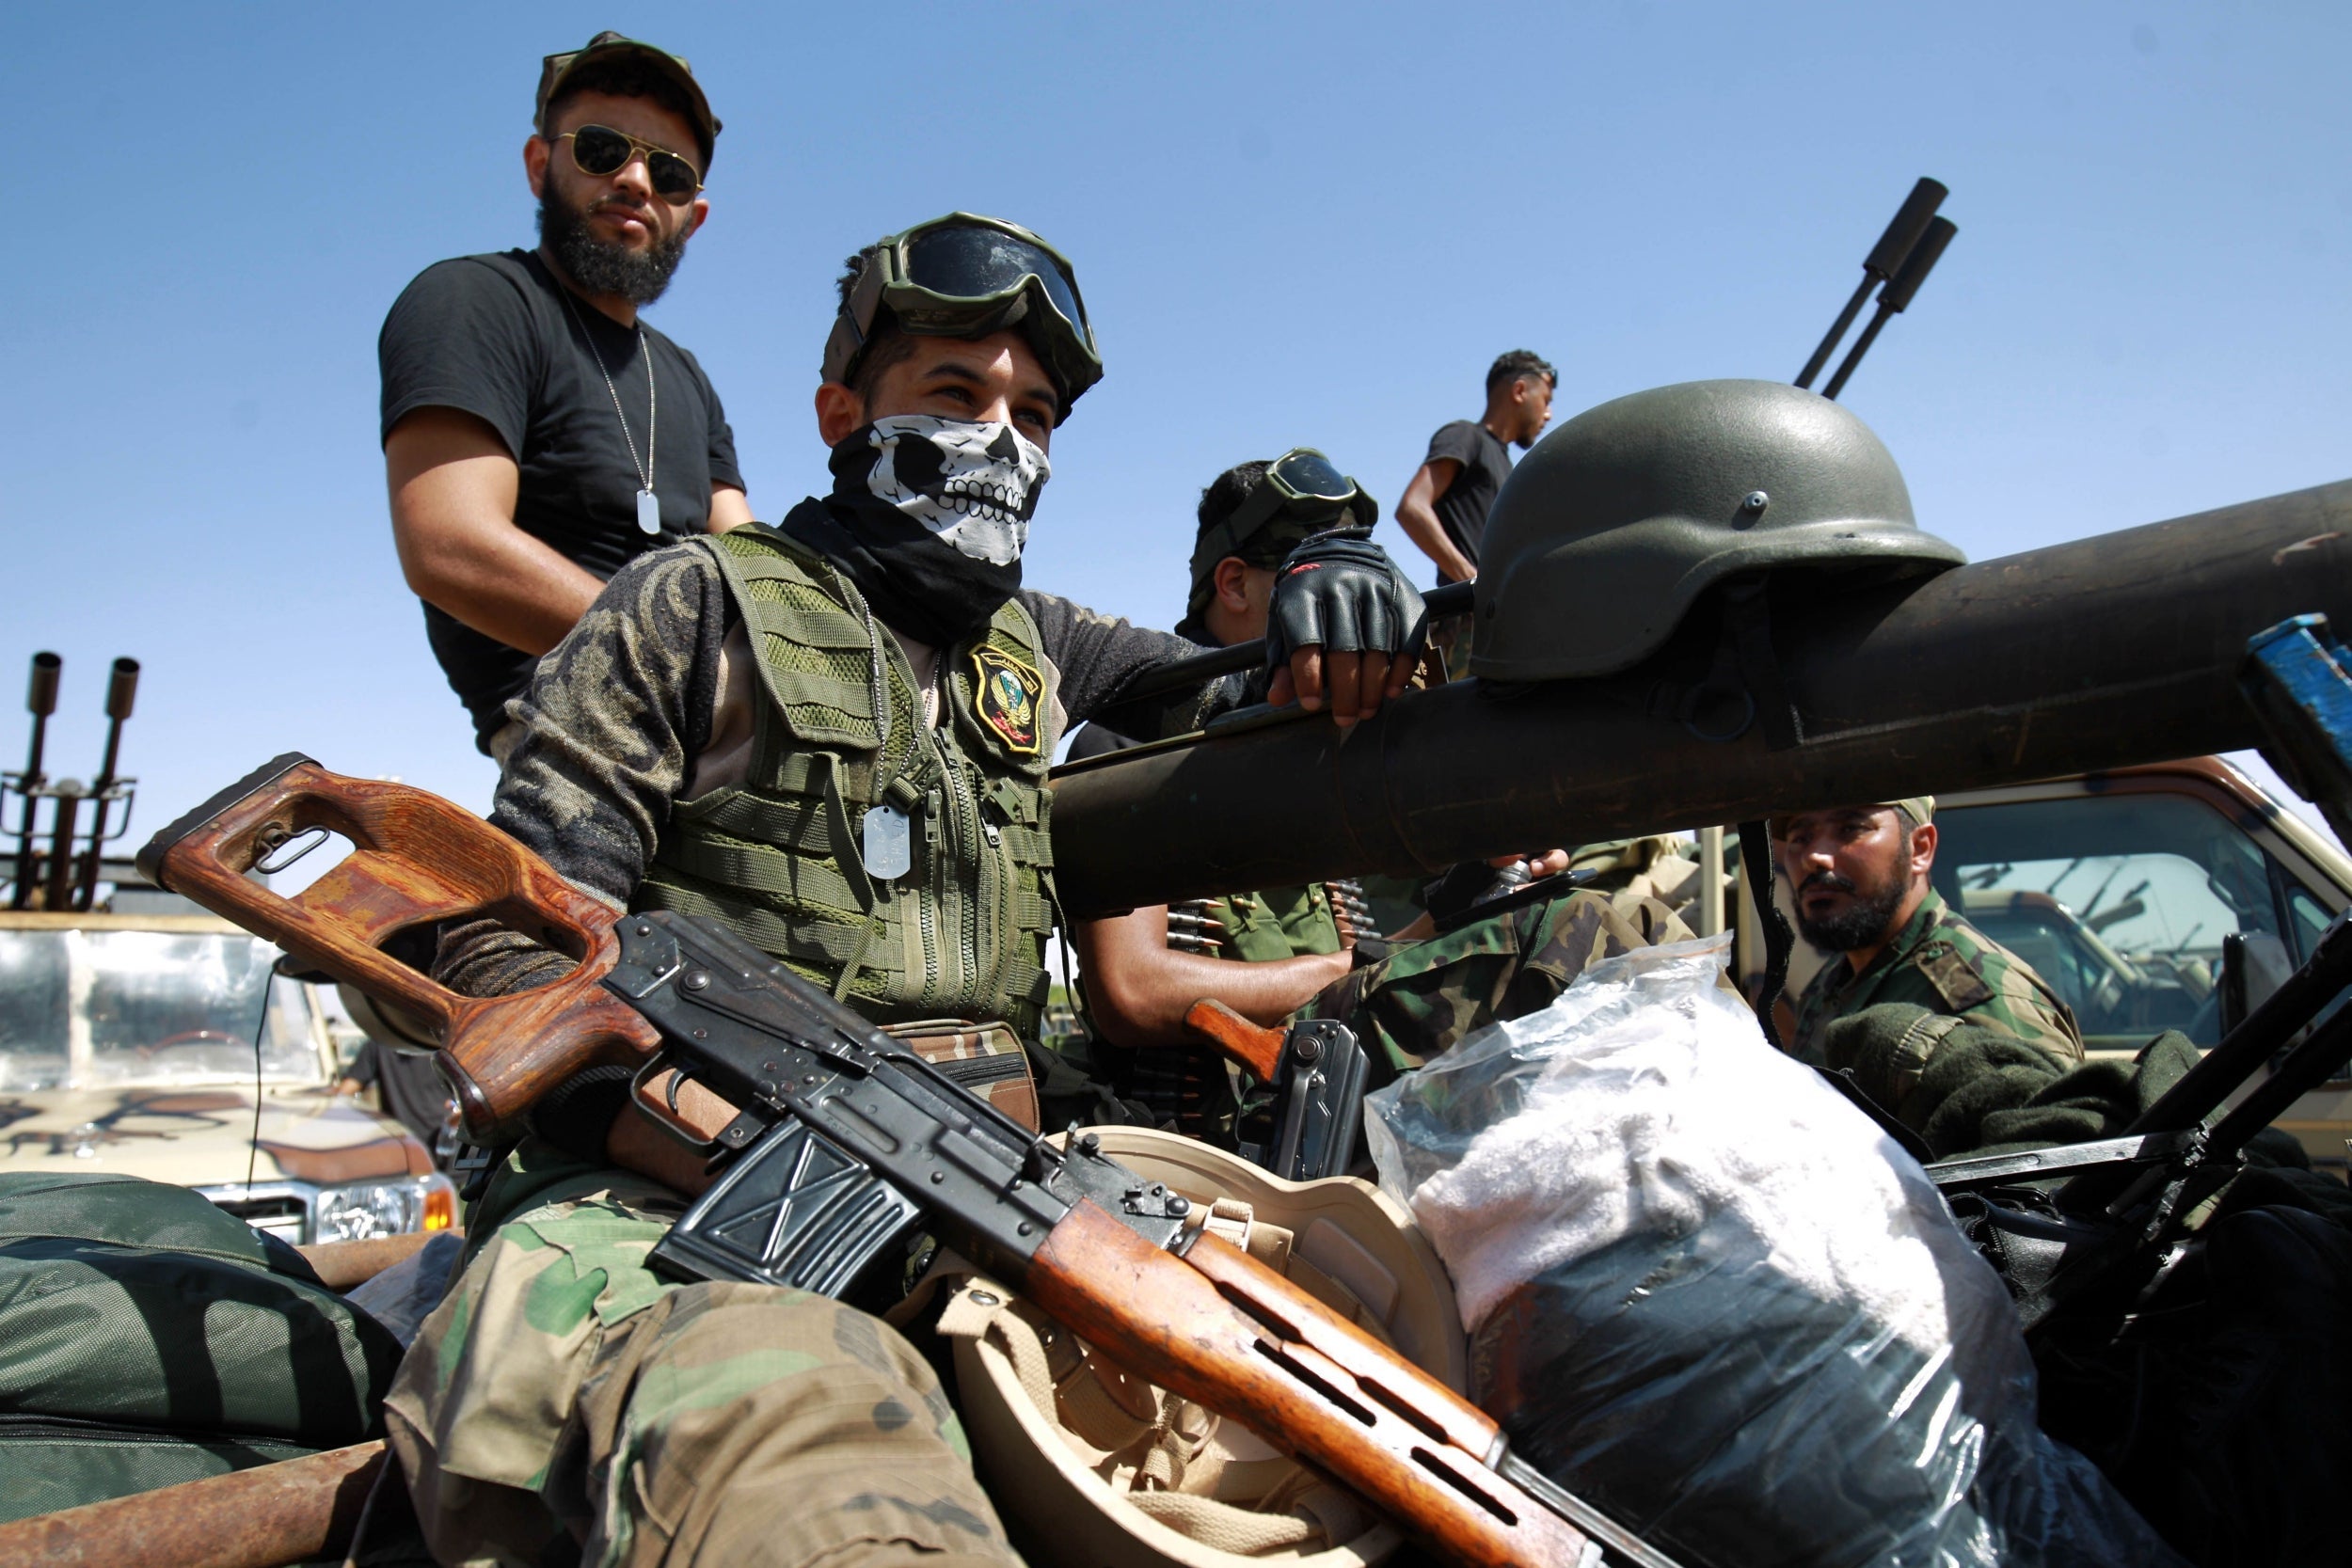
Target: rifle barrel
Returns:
[1886, 257]
[1837, 332]
[40, 700]
[1896, 297]
[122, 688]
[68, 794]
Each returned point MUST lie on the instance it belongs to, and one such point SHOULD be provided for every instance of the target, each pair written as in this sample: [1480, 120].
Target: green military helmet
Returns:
[1613, 526]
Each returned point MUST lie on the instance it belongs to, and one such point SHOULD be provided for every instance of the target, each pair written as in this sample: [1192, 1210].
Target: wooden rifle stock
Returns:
[1256, 1051]
[1222, 1329]
[415, 861]
[1202, 1318]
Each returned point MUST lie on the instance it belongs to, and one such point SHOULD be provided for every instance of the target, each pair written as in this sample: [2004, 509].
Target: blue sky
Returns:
[1294, 225]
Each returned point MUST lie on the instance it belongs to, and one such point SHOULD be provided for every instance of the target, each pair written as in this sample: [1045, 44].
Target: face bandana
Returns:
[929, 517]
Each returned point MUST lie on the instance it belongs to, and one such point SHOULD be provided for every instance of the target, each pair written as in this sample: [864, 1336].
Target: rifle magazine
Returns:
[795, 1210]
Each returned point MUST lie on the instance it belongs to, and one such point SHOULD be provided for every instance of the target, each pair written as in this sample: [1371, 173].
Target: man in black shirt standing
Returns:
[1444, 509]
[538, 437]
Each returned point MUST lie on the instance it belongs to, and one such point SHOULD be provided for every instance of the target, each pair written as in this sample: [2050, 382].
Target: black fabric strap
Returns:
[1755, 861]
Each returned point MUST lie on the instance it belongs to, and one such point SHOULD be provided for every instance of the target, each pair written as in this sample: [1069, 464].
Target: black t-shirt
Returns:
[492, 336]
[1485, 464]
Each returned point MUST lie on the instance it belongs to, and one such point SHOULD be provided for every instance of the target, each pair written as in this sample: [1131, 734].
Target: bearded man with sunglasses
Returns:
[833, 736]
[537, 435]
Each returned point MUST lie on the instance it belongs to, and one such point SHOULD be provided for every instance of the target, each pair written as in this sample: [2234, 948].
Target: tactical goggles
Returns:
[964, 275]
[1301, 483]
[600, 150]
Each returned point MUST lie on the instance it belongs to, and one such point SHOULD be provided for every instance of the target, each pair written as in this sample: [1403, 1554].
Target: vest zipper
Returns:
[965, 808]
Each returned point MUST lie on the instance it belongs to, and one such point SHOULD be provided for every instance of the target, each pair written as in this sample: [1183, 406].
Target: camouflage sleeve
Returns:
[1961, 971]
[2024, 1005]
[1098, 655]
[615, 715]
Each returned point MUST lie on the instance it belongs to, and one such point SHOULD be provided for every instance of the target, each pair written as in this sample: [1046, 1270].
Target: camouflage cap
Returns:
[609, 46]
[1919, 808]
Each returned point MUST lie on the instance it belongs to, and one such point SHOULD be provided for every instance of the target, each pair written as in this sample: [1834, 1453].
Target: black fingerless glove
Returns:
[1340, 592]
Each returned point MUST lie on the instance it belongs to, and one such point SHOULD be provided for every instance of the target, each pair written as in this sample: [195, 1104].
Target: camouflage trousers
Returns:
[1420, 1000]
[564, 1391]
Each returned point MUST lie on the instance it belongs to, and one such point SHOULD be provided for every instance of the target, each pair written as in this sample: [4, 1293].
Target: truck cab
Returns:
[2173, 896]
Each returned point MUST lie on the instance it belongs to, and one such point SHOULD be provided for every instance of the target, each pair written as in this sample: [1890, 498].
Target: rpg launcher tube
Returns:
[2097, 654]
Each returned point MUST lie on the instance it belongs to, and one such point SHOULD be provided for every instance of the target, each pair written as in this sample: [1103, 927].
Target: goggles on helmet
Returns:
[964, 275]
[1301, 483]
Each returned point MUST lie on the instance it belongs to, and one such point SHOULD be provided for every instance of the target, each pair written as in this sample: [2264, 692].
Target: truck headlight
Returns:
[359, 1210]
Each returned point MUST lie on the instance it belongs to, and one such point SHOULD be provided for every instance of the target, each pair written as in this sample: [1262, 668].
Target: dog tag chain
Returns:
[648, 504]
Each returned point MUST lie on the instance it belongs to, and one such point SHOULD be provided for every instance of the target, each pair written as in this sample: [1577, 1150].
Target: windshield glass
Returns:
[123, 1009]
[2119, 902]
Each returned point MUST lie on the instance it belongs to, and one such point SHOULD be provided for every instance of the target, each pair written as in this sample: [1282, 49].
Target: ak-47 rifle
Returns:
[833, 1140]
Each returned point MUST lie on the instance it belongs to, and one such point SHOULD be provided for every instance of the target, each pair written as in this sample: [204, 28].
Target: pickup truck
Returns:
[150, 1039]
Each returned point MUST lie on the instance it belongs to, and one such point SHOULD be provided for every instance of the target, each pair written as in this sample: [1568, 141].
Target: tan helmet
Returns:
[1102, 1470]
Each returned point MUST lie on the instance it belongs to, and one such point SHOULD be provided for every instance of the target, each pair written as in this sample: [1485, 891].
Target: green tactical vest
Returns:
[1282, 923]
[962, 933]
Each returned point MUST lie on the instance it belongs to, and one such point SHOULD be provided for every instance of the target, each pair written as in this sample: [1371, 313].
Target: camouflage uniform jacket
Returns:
[1940, 962]
[1280, 923]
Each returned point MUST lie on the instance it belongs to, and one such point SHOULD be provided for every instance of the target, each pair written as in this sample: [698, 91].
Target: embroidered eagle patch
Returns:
[1008, 692]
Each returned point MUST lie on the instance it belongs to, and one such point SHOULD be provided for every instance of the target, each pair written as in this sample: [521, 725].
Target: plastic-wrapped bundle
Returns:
[1707, 1293]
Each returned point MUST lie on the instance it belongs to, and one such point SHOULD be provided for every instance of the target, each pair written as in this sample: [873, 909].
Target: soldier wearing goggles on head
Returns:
[833, 734]
[1277, 953]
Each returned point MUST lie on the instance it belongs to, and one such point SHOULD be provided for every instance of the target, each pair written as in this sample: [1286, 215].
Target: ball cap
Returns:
[609, 46]
[1919, 808]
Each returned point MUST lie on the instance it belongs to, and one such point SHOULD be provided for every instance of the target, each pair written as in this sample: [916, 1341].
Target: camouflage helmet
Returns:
[1617, 521]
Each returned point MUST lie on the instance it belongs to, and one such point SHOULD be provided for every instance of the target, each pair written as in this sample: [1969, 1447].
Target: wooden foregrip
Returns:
[1255, 1050]
[1226, 1332]
[415, 860]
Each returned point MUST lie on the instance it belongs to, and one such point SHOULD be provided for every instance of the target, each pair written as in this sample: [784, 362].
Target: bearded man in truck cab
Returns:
[1859, 876]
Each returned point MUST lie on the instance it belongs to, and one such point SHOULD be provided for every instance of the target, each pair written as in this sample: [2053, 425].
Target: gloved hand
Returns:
[1342, 621]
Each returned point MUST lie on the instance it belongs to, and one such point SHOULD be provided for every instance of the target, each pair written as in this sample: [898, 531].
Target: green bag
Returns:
[147, 1337]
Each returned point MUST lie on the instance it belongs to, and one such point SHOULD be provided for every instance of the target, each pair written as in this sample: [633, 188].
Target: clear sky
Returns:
[1295, 224]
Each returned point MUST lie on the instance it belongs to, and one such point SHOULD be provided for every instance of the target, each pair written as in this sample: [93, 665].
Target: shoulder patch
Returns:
[1008, 692]
[1954, 978]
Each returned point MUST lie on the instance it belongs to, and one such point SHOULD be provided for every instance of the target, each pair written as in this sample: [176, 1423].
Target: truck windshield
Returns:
[2121, 902]
[100, 1009]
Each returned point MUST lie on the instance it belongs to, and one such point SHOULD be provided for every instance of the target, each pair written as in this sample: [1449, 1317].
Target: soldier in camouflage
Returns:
[833, 735]
[1859, 876]
[1264, 954]
[1285, 953]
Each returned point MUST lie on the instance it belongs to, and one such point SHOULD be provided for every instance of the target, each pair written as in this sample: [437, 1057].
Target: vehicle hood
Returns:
[200, 1136]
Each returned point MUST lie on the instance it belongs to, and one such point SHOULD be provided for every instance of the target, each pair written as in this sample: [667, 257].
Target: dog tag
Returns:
[889, 844]
[648, 511]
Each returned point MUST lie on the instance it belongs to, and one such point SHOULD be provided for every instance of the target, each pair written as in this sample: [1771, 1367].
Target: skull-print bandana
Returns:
[975, 486]
[929, 516]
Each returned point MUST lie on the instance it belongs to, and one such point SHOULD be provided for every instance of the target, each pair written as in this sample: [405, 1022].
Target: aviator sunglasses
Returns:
[600, 150]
